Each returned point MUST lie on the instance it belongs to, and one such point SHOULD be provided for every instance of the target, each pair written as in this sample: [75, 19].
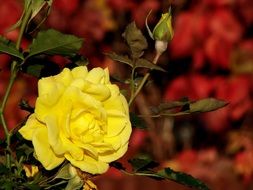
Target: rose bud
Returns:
[163, 31]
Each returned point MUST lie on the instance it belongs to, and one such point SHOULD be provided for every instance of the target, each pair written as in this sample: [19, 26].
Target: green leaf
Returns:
[142, 163]
[206, 105]
[178, 177]
[135, 40]
[117, 165]
[35, 69]
[120, 58]
[185, 107]
[8, 47]
[3, 169]
[24, 150]
[8, 185]
[181, 178]
[32, 186]
[79, 60]
[144, 63]
[167, 106]
[52, 42]
[137, 122]
[144, 166]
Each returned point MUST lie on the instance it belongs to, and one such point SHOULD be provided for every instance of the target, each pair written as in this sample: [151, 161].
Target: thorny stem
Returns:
[132, 83]
[140, 102]
[146, 76]
[14, 71]
[6, 131]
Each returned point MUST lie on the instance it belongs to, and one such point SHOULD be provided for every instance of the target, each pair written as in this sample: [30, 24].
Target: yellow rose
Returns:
[79, 116]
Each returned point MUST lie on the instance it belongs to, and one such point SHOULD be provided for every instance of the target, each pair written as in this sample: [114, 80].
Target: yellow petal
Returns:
[58, 141]
[103, 147]
[115, 125]
[47, 102]
[79, 72]
[89, 164]
[119, 144]
[79, 83]
[98, 91]
[54, 135]
[89, 150]
[43, 150]
[65, 77]
[32, 124]
[125, 134]
[120, 140]
[116, 101]
[97, 76]
[85, 102]
[114, 155]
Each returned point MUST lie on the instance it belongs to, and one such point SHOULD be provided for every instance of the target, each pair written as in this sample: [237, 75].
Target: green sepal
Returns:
[146, 23]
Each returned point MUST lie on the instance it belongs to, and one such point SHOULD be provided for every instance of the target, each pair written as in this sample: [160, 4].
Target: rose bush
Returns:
[80, 117]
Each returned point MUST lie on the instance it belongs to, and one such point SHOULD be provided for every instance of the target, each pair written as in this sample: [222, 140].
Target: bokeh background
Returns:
[211, 55]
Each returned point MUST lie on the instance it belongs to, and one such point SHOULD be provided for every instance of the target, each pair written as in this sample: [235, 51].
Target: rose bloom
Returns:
[79, 116]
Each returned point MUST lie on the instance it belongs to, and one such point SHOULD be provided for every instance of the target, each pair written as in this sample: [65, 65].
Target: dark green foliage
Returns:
[78, 60]
[145, 166]
[40, 67]
[52, 42]
[182, 178]
[135, 40]
[185, 107]
[142, 164]
[8, 47]
[120, 58]
[144, 63]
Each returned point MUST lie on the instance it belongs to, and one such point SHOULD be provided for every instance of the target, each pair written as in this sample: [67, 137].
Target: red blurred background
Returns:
[211, 55]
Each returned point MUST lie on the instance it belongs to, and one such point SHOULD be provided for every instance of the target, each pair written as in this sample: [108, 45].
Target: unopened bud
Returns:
[163, 30]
